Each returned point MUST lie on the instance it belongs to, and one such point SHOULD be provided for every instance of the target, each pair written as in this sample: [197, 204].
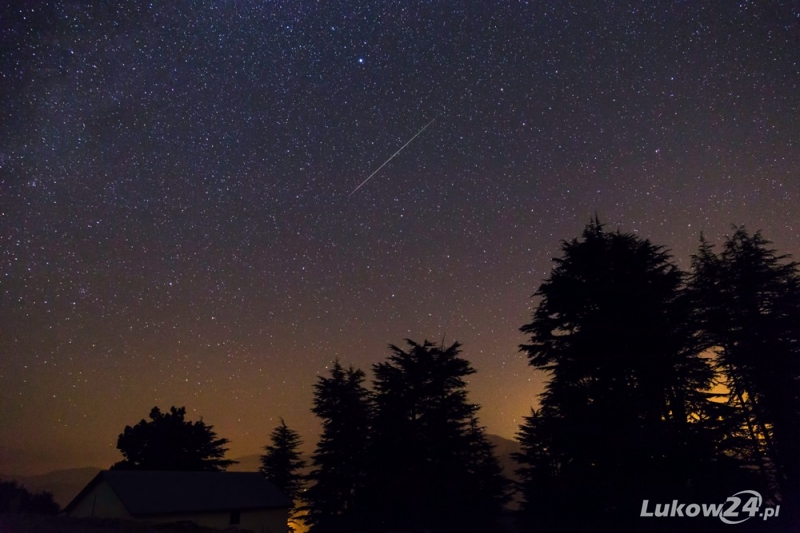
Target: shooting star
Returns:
[393, 156]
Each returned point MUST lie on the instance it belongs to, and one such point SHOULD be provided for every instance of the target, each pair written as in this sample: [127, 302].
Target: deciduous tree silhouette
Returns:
[618, 416]
[431, 465]
[169, 442]
[747, 301]
[15, 498]
[339, 462]
[282, 461]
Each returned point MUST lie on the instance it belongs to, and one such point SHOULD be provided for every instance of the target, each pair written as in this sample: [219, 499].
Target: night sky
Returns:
[177, 221]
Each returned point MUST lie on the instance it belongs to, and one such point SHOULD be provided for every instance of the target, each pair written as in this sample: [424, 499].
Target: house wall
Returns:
[266, 520]
[100, 502]
[258, 521]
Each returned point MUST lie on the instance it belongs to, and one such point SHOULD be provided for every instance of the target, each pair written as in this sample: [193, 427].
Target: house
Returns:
[243, 500]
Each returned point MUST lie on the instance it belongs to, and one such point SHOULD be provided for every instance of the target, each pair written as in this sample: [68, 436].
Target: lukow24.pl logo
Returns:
[742, 506]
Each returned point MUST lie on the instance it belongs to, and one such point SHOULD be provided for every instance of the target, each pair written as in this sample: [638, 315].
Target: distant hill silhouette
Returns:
[503, 448]
[65, 484]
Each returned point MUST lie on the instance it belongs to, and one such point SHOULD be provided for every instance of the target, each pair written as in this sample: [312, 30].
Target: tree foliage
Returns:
[408, 455]
[169, 442]
[15, 498]
[626, 383]
[747, 301]
[431, 465]
[282, 461]
[339, 462]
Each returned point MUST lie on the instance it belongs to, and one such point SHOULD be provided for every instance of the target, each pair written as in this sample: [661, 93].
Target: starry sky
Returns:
[176, 213]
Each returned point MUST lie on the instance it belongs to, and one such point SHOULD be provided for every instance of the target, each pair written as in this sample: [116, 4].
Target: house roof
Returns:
[159, 492]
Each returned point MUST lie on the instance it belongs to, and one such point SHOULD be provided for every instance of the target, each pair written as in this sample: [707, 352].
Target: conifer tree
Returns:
[282, 462]
[747, 301]
[432, 466]
[618, 414]
[339, 462]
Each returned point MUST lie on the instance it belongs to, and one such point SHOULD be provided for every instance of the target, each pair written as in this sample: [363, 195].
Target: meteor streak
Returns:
[393, 156]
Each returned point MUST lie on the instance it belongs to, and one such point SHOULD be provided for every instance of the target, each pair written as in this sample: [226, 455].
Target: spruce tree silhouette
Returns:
[431, 465]
[748, 311]
[169, 442]
[339, 461]
[282, 462]
[626, 383]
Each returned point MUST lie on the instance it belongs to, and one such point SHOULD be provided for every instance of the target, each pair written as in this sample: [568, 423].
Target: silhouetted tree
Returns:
[15, 498]
[431, 465]
[618, 416]
[339, 461]
[542, 485]
[489, 489]
[169, 442]
[282, 463]
[747, 301]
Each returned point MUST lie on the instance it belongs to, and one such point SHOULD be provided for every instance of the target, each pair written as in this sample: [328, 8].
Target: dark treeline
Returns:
[408, 455]
[15, 498]
[661, 385]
